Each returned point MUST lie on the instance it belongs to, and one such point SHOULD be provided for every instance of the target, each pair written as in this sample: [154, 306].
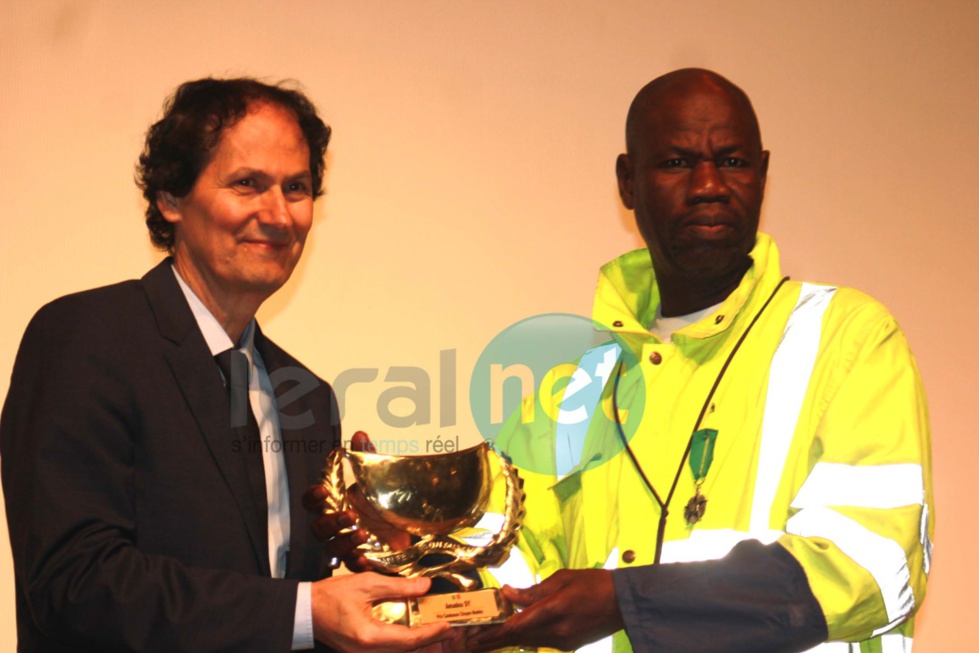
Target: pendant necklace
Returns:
[700, 446]
[701, 456]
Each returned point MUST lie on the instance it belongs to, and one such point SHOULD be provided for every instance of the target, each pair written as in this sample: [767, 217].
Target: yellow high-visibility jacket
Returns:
[822, 446]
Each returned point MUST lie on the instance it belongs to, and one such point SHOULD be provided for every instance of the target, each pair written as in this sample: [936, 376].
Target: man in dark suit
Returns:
[151, 506]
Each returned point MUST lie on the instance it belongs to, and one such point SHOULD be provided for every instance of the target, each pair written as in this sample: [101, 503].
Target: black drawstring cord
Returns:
[665, 505]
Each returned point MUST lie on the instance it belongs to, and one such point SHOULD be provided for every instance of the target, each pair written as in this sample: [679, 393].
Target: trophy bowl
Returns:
[434, 498]
[425, 495]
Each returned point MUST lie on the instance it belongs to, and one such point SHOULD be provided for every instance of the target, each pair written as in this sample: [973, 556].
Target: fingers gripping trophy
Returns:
[432, 498]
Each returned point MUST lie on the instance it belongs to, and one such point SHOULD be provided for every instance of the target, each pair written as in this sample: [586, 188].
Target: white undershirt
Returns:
[665, 327]
[261, 396]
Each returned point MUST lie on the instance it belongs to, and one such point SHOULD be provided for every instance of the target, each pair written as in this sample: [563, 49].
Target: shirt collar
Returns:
[665, 327]
[215, 336]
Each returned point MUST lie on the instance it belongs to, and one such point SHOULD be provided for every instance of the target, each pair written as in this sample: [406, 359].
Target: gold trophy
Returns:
[432, 497]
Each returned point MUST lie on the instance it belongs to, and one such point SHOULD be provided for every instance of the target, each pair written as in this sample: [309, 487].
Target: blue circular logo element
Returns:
[557, 393]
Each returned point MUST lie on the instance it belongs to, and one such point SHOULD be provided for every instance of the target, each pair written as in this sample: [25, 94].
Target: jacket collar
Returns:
[628, 294]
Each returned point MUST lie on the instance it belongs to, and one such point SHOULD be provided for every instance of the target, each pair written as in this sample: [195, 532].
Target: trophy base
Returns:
[473, 608]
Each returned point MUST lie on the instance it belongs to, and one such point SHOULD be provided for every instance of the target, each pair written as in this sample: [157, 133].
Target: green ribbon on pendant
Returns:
[702, 452]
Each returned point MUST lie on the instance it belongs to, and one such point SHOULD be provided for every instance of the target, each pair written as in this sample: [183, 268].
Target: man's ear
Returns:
[169, 206]
[763, 169]
[624, 172]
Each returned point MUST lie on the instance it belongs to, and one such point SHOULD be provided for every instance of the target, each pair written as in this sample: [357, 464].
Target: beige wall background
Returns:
[471, 177]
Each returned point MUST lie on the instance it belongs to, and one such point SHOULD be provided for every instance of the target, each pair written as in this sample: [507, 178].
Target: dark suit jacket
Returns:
[131, 519]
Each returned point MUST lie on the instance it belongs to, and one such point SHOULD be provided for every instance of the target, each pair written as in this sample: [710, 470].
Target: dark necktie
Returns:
[234, 365]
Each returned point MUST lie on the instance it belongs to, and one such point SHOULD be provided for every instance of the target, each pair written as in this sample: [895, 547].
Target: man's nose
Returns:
[707, 184]
[275, 207]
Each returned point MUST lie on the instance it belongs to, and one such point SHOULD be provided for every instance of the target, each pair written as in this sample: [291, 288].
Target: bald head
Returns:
[676, 86]
[694, 174]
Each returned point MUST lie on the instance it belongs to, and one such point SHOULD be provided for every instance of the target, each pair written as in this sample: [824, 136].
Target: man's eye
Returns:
[298, 188]
[247, 182]
[732, 162]
[674, 163]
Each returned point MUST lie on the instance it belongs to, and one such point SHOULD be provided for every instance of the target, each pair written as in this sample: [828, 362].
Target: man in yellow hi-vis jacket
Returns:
[771, 488]
[753, 473]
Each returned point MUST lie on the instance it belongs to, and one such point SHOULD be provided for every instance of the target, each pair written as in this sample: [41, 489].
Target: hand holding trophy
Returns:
[430, 498]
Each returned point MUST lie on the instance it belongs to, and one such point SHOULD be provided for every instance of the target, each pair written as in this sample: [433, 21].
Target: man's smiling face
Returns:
[242, 227]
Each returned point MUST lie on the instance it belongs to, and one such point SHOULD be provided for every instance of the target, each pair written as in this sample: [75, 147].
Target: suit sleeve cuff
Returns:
[302, 630]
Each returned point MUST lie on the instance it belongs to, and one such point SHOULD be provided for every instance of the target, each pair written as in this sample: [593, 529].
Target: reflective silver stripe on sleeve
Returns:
[603, 645]
[832, 647]
[862, 486]
[925, 540]
[788, 380]
[895, 643]
[711, 544]
[882, 557]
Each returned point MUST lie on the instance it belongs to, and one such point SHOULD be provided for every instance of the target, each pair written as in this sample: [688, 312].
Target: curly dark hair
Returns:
[179, 145]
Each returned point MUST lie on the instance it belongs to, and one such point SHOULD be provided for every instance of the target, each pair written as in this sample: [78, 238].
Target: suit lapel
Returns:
[199, 380]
